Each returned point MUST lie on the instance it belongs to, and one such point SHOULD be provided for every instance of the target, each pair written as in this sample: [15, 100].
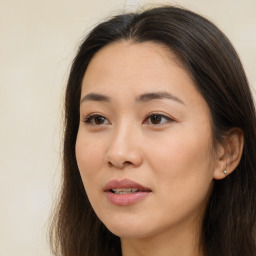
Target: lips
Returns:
[126, 184]
[125, 192]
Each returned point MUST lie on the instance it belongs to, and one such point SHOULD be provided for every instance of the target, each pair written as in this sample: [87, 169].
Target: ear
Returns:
[229, 153]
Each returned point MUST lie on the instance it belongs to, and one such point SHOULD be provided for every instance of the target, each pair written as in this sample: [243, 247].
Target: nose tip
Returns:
[123, 155]
[119, 165]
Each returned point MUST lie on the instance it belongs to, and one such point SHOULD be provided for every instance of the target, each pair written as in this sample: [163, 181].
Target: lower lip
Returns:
[126, 199]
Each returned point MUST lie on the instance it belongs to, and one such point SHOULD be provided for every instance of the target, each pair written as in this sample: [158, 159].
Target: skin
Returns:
[174, 156]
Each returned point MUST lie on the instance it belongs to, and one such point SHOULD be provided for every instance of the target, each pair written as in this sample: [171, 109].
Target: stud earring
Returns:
[225, 172]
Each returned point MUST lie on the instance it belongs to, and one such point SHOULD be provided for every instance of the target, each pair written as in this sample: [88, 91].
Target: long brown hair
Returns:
[210, 59]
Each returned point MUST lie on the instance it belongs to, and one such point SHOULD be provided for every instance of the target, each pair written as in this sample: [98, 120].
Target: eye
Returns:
[95, 119]
[157, 119]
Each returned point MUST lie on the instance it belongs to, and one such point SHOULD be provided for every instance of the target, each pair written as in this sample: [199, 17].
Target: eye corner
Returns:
[95, 119]
[158, 119]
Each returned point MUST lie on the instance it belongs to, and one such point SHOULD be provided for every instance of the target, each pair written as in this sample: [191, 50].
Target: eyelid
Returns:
[88, 119]
[168, 118]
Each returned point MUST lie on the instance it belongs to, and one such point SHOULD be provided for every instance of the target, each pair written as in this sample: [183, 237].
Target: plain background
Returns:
[38, 40]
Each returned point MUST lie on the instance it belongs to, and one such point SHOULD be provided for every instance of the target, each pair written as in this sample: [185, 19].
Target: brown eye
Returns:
[96, 120]
[157, 119]
[99, 120]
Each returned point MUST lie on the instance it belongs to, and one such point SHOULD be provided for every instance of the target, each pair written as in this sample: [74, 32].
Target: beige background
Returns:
[38, 41]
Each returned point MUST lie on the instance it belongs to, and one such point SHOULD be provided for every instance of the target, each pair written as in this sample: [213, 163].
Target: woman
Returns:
[160, 146]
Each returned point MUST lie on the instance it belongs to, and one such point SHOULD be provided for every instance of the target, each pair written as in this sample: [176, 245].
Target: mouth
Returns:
[125, 187]
[122, 191]
[125, 192]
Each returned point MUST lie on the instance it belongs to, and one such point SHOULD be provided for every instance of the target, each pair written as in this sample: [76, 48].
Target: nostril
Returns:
[119, 165]
[127, 163]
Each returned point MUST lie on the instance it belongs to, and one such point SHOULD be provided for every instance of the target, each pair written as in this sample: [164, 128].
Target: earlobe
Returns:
[229, 153]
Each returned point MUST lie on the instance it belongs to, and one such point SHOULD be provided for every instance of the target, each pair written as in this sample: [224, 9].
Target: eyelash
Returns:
[167, 119]
[90, 119]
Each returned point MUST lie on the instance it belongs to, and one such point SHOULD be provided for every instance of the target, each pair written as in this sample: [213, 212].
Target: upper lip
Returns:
[126, 183]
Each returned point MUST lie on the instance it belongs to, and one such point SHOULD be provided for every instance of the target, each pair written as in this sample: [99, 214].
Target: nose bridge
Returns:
[124, 145]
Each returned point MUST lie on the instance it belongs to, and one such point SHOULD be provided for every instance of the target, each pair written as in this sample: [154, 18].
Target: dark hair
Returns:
[210, 59]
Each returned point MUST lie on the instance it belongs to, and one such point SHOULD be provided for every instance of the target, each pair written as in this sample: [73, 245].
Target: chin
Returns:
[129, 230]
[132, 234]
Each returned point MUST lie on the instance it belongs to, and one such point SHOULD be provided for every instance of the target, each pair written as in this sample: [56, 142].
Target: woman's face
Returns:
[144, 144]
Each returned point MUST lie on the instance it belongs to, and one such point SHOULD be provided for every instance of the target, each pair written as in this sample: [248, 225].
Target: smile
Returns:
[125, 192]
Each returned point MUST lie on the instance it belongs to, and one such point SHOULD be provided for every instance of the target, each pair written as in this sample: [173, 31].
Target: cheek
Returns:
[89, 156]
[180, 149]
[184, 162]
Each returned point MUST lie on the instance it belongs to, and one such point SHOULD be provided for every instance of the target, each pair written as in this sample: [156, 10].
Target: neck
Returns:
[181, 243]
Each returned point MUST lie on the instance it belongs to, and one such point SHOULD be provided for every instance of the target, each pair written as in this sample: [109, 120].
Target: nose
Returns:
[124, 149]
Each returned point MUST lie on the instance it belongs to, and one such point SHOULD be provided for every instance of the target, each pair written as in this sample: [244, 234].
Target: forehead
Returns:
[128, 65]
[126, 60]
[127, 69]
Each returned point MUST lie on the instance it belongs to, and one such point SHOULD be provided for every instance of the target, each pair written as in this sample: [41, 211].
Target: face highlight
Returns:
[144, 144]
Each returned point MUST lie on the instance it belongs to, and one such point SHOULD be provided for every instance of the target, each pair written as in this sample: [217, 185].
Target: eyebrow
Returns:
[157, 95]
[143, 98]
[95, 97]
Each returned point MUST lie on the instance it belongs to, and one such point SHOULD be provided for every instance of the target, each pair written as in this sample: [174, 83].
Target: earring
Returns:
[225, 171]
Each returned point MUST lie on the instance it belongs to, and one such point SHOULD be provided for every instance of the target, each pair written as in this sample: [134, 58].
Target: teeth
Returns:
[125, 190]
